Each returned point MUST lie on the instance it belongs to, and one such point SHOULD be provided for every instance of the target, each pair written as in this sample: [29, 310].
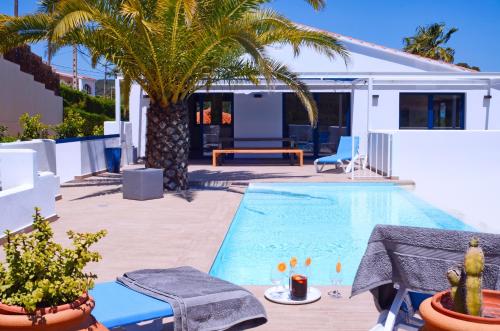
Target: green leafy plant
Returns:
[72, 125]
[41, 273]
[32, 127]
[98, 130]
[3, 131]
[4, 138]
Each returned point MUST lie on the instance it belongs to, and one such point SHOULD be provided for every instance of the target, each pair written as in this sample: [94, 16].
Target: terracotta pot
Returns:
[439, 318]
[73, 316]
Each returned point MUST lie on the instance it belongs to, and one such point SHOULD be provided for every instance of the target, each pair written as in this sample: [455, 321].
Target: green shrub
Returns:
[32, 127]
[72, 125]
[3, 131]
[4, 138]
[72, 96]
[90, 120]
[77, 99]
[98, 105]
[98, 130]
[41, 273]
[8, 139]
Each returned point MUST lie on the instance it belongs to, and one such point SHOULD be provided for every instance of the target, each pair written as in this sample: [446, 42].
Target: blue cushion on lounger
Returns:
[117, 305]
[344, 151]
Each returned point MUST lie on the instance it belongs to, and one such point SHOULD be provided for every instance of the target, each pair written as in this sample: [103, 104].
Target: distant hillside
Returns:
[110, 93]
[110, 88]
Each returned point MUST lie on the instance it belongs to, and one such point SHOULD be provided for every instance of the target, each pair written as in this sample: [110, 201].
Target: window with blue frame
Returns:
[439, 111]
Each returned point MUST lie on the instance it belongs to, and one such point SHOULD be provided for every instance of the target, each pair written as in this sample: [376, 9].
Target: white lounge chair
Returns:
[344, 153]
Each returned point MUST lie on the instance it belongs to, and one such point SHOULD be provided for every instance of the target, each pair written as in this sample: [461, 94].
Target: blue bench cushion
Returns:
[117, 305]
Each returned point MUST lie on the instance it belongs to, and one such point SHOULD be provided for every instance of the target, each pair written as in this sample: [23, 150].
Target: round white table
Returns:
[281, 295]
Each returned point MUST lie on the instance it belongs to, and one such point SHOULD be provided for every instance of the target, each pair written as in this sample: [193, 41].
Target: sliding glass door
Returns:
[333, 122]
[211, 122]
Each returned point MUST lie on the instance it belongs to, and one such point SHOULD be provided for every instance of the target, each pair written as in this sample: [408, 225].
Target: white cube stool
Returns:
[143, 184]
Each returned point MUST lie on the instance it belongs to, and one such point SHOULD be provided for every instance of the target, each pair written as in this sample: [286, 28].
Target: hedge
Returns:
[91, 120]
[77, 99]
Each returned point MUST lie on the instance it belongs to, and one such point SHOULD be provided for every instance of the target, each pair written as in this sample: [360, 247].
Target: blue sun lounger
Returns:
[117, 305]
[344, 153]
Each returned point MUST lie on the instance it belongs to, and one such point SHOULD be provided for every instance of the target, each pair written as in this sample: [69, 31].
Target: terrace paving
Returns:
[188, 230]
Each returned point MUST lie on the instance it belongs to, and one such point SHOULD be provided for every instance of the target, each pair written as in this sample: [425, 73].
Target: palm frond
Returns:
[173, 48]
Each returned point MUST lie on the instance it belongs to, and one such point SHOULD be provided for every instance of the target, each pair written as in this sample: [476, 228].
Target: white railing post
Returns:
[389, 156]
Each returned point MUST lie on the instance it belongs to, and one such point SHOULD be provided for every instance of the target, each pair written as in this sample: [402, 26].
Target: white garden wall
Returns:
[24, 187]
[46, 152]
[78, 157]
[456, 170]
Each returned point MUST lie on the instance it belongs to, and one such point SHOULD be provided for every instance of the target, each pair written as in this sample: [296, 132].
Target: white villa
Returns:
[85, 84]
[378, 89]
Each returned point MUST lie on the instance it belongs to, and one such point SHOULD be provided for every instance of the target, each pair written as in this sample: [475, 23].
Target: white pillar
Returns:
[369, 106]
[118, 116]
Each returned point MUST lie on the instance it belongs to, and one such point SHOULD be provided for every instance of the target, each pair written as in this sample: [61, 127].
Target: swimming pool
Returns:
[324, 221]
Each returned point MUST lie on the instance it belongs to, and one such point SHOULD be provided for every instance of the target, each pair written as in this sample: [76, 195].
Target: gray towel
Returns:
[199, 301]
[418, 258]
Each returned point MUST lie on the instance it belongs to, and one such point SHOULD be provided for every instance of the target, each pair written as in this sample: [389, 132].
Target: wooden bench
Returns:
[297, 152]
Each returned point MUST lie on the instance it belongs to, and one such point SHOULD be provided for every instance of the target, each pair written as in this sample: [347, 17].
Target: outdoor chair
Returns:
[402, 266]
[302, 136]
[344, 153]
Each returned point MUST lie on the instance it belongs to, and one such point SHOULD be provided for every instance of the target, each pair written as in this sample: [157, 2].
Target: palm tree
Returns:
[16, 8]
[173, 48]
[430, 41]
[48, 6]
[317, 4]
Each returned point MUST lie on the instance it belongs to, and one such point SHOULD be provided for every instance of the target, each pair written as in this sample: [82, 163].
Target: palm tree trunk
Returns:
[167, 144]
[16, 8]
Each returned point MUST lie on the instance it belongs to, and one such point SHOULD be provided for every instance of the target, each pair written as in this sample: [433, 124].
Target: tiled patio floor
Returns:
[244, 171]
[188, 230]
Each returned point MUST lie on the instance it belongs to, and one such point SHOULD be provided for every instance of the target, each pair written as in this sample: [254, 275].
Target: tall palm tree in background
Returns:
[49, 7]
[430, 41]
[173, 48]
[16, 8]
[317, 4]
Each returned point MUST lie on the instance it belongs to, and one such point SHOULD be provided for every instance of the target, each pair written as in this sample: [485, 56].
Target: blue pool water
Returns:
[323, 221]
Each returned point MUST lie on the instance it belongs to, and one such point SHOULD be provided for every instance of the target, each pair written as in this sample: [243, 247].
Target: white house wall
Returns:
[137, 115]
[20, 93]
[358, 119]
[492, 108]
[263, 117]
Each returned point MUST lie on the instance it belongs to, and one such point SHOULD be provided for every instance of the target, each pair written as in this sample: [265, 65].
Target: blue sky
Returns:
[383, 22]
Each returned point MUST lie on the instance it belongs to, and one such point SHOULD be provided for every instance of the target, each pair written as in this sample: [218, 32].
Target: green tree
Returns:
[32, 127]
[173, 48]
[430, 41]
[72, 125]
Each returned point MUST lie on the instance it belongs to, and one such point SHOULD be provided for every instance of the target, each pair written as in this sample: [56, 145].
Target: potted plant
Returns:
[466, 306]
[43, 285]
